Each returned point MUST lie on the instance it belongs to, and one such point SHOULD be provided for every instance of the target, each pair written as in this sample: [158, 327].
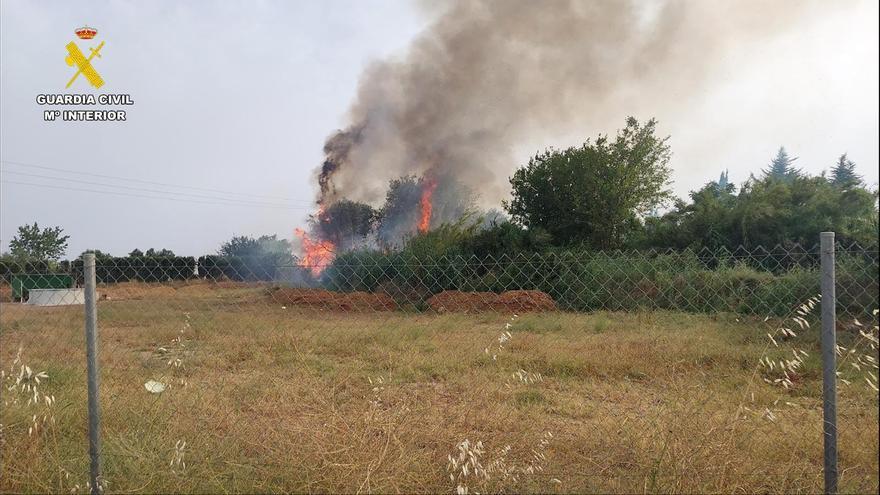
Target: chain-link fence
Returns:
[625, 371]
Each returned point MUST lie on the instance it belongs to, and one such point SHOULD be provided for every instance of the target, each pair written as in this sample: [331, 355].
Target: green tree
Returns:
[160, 252]
[264, 246]
[844, 175]
[781, 167]
[240, 246]
[594, 193]
[724, 180]
[345, 223]
[32, 242]
[136, 253]
[766, 212]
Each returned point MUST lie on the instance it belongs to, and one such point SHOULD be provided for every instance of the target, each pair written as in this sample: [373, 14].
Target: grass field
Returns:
[274, 398]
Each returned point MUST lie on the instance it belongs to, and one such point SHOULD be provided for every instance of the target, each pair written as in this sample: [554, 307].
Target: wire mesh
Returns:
[662, 371]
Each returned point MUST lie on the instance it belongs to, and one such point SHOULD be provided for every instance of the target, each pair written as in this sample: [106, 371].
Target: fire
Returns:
[316, 254]
[425, 204]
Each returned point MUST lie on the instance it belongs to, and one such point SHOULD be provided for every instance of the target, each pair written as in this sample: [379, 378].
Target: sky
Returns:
[233, 102]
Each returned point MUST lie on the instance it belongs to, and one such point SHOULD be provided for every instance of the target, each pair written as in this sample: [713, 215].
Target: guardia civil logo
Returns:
[86, 105]
[75, 58]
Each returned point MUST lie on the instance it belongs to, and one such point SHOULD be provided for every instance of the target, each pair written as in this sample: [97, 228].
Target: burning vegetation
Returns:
[316, 253]
[487, 77]
[425, 206]
[412, 205]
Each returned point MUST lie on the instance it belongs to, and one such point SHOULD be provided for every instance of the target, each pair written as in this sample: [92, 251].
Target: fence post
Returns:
[92, 359]
[829, 361]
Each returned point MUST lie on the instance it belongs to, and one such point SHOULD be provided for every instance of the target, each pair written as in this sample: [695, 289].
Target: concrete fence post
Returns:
[829, 361]
[91, 314]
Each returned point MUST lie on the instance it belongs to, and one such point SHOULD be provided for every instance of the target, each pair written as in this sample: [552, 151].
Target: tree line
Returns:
[613, 193]
[242, 258]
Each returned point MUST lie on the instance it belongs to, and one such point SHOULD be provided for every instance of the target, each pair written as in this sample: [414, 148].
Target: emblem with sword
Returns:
[83, 64]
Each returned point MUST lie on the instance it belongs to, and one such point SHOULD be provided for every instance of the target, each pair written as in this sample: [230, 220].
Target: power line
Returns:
[150, 197]
[155, 183]
[119, 186]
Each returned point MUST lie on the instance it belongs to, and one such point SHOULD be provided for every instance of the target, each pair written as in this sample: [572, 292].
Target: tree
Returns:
[724, 180]
[766, 212]
[136, 253]
[32, 242]
[255, 259]
[781, 168]
[162, 252]
[399, 216]
[594, 193]
[844, 175]
[264, 246]
[345, 223]
[239, 246]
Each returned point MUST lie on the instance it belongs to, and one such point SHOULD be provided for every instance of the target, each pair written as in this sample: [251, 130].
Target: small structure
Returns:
[56, 297]
[25, 282]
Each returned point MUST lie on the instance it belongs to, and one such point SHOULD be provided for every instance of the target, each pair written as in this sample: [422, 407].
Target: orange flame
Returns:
[426, 206]
[317, 255]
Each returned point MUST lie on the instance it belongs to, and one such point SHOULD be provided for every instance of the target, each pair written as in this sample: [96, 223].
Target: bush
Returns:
[239, 268]
[139, 268]
[617, 281]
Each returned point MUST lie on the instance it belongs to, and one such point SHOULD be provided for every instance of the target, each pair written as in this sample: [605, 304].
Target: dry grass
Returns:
[264, 398]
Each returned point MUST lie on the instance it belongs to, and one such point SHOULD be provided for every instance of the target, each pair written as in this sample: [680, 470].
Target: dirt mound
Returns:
[524, 301]
[464, 302]
[518, 301]
[340, 301]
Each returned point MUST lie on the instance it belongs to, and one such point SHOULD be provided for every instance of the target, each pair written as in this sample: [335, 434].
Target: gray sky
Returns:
[241, 96]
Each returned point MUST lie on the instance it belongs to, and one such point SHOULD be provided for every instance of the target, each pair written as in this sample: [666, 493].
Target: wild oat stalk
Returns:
[502, 340]
[22, 382]
[860, 358]
[466, 467]
[26, 395]
[467, 470]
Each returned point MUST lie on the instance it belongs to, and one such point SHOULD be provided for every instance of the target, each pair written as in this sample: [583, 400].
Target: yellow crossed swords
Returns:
[84, 64]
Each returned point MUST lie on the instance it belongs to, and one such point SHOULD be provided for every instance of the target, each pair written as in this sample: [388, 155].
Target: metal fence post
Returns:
[829, 361]
[92, 359]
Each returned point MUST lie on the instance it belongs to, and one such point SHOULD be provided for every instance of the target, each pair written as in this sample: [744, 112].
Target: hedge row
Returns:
[9, 268]
[239, 268]
[154, 268]
[588, 282]
[110, 270]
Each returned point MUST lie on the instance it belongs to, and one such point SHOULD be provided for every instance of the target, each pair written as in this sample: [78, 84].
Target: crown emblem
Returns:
[86, 33]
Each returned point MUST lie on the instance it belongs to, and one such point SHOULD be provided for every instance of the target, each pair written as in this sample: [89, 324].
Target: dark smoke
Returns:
[336, 151]
[488, 77]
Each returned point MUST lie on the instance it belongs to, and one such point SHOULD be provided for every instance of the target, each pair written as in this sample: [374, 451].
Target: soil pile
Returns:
[340, 301]
[512, 301]
[523, 301]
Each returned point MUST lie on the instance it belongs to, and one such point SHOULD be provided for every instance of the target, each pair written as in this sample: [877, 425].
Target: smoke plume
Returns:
[488, 77]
